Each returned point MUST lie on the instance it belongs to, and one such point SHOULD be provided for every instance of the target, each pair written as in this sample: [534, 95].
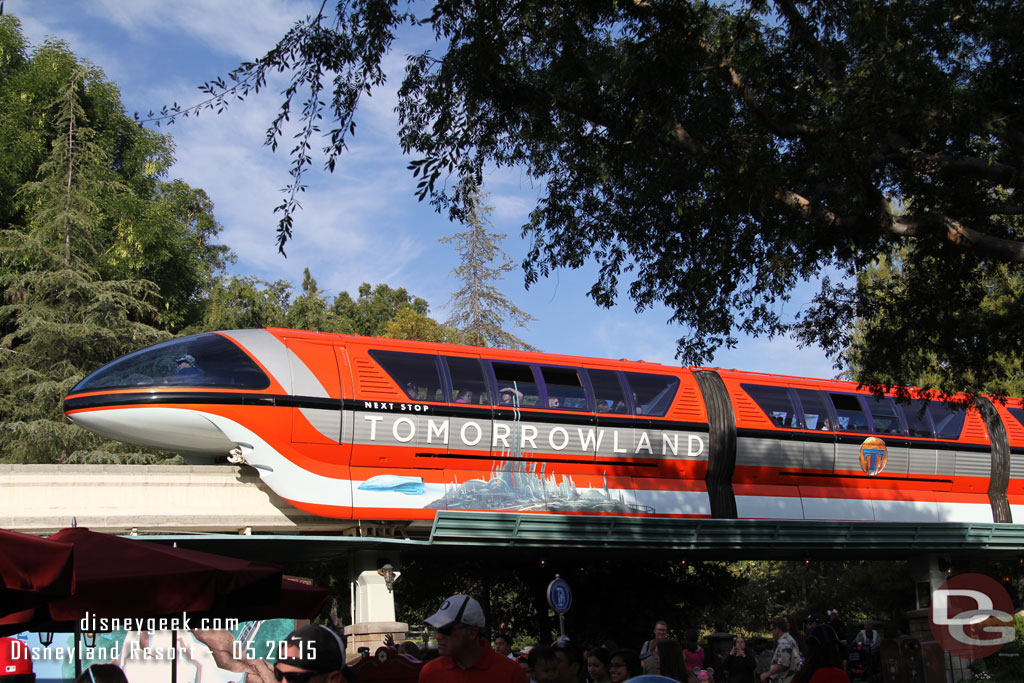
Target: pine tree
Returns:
[479, 309]
[60, 319]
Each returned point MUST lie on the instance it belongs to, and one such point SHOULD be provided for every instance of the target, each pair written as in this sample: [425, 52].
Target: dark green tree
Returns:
[706, 156]
[238, 303]
[61, 319]
[478, 308]
[369, 313]
[309, 310]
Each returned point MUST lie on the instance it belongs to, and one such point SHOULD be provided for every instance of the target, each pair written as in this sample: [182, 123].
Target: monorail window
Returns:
[814, 412]
[468, 383]
[204, 360]
[884, 417]
[915, 414]
[849, 413]
[652, 394]
[516, 384]
[415, 373]
[564, 388]
[775, 402]
[1018, 414]
[608, 395]
[949, 419]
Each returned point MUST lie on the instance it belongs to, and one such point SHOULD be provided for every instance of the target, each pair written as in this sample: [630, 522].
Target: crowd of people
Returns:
[464, 654]
[316, 654]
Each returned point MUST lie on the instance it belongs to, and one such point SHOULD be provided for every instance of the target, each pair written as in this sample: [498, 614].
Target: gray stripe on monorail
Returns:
[326, 422]
[269, 351]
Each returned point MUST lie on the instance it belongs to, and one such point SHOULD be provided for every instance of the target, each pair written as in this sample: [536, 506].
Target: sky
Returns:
[362, 223]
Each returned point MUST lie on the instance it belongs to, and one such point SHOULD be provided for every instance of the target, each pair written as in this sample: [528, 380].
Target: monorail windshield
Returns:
[205, 360]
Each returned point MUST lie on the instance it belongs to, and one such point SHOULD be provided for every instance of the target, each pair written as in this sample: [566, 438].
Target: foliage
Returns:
[985, 322]
[370, 312]
[706, 156]
[479, 309]
[309, 310]
[61, 319]
[245, 303]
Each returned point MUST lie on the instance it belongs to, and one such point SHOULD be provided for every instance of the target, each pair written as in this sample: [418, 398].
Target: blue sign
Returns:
[559, 596]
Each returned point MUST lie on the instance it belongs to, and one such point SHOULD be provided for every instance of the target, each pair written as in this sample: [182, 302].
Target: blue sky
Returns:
[362, 223]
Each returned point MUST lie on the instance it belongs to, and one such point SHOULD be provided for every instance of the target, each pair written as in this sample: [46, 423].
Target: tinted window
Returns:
[516, 385]
[608, 394]
[948, 419]
[207, 360]
[415, 373]
[883, 415]
[814, 412]
[915, 414]
[468, 384]
[849, 413]
[564, 388]
[652, 394]
[775, 402]
[1018, 414]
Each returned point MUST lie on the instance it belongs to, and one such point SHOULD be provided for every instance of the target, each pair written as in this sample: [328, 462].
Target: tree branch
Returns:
[806, 36]
[788, 131]
[958, 234]
[975, 167]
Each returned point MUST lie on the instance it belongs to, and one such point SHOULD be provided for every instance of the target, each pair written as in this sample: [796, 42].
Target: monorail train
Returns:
[368, 428]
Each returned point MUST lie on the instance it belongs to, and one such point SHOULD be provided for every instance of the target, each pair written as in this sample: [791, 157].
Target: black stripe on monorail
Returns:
[359, 405]
[212, 398]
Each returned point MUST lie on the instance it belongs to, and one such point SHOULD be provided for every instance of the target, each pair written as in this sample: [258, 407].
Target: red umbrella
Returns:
[33, 570]
[123, 577]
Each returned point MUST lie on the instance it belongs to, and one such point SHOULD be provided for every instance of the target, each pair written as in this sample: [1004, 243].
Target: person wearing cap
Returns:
[465, 656]
[313, 654]
[187, 370]
[15, 662]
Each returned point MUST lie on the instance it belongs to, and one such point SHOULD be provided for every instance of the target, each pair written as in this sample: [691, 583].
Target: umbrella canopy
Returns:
[123, 577]
[33, 571]
[298, 601]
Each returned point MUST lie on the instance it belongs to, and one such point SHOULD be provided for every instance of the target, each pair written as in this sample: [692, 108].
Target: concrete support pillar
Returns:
[928, 573]
[373, 604]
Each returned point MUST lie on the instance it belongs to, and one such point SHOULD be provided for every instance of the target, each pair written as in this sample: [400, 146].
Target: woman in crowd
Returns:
[824, 661]
[670, 657]
[624, 665]
[739, 665]
[597, 666]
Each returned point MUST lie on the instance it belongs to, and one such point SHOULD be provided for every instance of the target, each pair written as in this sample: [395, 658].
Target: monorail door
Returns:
[317, 415]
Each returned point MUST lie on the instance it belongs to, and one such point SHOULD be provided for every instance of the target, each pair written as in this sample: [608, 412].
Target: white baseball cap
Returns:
[456, 609]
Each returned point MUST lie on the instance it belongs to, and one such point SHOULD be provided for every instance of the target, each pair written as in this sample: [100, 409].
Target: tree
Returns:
[309, 310]
[374, 308]
[710, 156]
[479, 309]
[61, 318]
[246, 303]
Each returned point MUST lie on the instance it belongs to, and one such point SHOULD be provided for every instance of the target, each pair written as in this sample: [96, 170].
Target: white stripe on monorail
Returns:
[866, 510]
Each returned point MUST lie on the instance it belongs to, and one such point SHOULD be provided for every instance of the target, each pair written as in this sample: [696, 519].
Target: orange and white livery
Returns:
[367, 428]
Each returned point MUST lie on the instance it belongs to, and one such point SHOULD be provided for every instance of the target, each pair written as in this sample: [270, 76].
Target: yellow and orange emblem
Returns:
[873, 455]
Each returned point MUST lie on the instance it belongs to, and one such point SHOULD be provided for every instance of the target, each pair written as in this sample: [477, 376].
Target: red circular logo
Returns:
[972, 616]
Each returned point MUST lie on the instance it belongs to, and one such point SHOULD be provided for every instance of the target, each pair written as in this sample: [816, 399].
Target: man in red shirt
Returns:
[464, 656]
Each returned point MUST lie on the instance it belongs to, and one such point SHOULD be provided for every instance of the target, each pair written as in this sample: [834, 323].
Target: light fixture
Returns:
[46, 638]
[390, 576]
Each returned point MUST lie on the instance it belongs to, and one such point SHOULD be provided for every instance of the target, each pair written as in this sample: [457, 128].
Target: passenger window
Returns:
[564, 388]
[884, 417]
[608, 396]
[775, 402]
[849, 413]
[652, 394]
[1018, 414]
[516, 385]
[915, 414]
[948, 419]
[814, 411]
[468, 383]
[415, 373]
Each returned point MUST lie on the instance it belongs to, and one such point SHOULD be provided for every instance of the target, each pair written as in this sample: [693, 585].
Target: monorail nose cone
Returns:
[167, 429]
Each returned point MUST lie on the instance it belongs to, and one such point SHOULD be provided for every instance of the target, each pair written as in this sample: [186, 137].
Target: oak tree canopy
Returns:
[711, 156]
